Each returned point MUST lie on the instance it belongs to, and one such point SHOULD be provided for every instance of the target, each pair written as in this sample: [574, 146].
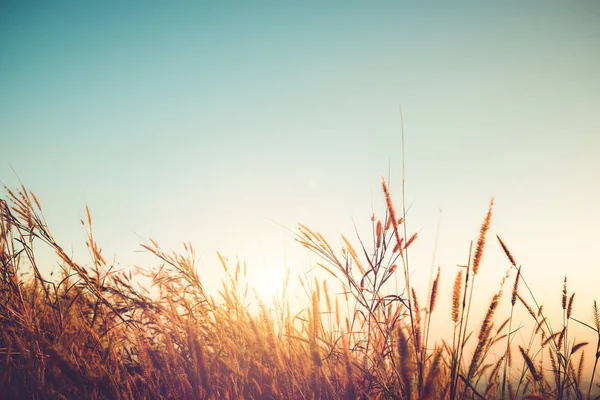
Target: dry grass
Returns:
[93, 333]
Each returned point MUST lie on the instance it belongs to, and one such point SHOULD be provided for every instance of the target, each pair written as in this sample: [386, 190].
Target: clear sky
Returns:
[204, 121]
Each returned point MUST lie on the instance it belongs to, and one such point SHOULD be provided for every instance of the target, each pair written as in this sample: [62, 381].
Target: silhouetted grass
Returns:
[94, 332]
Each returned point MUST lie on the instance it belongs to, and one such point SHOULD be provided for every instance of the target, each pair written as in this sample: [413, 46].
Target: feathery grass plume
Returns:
[572, 378]
[580, 368]
[392, 211]
[484, 334]
[314, 330]
[550, 338]
[561, 337]
[434, 291]
[398, 246]
[350, 386]
[515, 291]
[513, 301]
[388, 223]
[411, 240]
[596, 317]
[432, 301]
[527, 307]
[392, 269]
[327, 298]
[456, 296]
[324, 242]
[481, 240]
[379, 234]
[507, 252]
[35, 199]
[353, 254]
[564, 294]
[317, 290]
[511, 391]
[570, 305]
[534, 372]
[405, 364]
[433, 375]
[200, 365]
[502, 326]
[493, 376]
[578, 346]
[417, 314]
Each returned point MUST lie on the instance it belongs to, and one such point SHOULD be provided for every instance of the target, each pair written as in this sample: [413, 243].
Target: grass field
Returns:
[94, 332]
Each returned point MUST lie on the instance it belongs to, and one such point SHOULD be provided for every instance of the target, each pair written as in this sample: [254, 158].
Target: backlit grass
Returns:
[97, 332]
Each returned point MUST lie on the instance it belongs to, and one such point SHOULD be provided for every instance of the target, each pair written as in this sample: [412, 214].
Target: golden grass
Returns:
[94, 333]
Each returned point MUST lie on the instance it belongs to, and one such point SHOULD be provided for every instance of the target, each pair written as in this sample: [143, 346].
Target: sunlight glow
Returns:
[268, 281]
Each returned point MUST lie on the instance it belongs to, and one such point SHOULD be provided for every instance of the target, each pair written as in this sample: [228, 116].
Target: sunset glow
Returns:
[226, 125]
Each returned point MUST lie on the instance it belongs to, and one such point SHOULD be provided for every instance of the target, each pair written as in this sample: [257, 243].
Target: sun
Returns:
[268, 281]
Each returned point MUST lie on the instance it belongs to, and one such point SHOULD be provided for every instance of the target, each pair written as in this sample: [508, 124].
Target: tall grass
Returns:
[94, 332]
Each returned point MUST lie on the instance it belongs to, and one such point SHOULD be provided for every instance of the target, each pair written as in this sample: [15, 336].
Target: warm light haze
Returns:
[226, 124]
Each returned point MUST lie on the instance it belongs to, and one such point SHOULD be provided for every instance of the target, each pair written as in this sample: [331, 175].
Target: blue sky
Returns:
[203, 121]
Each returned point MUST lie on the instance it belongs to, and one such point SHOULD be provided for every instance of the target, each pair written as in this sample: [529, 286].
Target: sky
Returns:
[225, 124]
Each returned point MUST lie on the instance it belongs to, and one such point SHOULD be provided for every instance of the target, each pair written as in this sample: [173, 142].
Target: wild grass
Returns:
[96, 333]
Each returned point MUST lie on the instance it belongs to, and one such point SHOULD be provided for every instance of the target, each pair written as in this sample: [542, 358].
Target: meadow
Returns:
[96, 332]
